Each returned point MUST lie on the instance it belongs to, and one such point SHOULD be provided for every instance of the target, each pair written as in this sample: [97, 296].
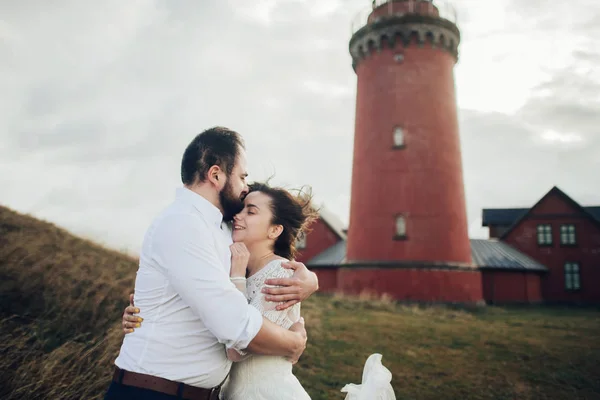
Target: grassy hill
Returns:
[61, 299]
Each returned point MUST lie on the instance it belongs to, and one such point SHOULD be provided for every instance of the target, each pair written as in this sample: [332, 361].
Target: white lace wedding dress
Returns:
[260, 377]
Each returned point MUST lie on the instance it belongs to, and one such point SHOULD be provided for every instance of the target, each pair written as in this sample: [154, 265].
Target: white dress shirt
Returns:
[191, 311]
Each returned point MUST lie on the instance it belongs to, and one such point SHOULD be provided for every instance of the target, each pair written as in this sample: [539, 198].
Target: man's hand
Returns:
[300, 329]
[295, 289]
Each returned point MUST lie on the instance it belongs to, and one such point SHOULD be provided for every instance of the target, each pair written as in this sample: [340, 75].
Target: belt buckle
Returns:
[214, 393]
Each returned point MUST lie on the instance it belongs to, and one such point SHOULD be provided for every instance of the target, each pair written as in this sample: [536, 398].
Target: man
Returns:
[192, 311]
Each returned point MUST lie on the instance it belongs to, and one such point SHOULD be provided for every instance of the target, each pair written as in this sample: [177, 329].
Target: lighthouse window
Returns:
[398, 137]
[400, 227]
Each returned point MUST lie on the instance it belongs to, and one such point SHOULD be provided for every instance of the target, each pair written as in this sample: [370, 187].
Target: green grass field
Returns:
[438, 352]
[61, 300]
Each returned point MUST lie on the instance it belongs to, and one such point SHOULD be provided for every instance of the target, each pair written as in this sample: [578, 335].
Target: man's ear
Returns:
[275, 231]
[216, 176]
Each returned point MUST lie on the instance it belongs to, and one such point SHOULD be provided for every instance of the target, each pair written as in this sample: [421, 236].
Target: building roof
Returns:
[331, 220]
[593, 211]
[510, 216]
[501, 216]
[494, 254]
[487, 254]
[332, 256]
[554, 191]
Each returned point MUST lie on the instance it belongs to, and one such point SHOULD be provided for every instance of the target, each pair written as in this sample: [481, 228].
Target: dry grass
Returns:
[61, 299]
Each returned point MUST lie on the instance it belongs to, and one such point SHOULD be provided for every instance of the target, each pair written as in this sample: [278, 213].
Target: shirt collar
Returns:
[205, 207]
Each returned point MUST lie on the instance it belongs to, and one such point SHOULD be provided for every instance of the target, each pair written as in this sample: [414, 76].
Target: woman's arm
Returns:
[239, 264]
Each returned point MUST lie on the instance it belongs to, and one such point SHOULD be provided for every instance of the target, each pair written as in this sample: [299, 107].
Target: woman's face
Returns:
[253, 223]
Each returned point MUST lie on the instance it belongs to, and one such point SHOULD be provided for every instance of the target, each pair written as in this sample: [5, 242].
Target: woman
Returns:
[264, 234]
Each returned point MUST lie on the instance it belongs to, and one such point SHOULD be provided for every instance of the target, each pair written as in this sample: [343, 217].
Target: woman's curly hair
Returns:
[294, 212]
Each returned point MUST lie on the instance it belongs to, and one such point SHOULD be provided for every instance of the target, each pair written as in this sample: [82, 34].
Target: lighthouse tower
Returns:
[408, 232]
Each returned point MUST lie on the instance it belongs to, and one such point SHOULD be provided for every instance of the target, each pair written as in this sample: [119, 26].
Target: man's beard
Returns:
[230, 203]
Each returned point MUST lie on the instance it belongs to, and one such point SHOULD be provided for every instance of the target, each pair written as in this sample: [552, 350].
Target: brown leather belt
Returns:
[181, 390]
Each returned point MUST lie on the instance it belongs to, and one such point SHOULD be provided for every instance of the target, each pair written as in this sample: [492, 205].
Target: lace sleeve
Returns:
[284, 318]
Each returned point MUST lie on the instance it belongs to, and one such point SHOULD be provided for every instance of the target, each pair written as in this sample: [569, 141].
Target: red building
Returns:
[324, 233]
[549, 253]
[407, 235]
[560, 234]
[506, 275]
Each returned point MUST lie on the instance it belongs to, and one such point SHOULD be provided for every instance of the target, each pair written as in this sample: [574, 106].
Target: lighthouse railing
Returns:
[385, 8]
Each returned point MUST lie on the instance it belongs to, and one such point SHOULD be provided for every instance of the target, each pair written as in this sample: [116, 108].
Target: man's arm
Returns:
[295, 289]
[185, 248]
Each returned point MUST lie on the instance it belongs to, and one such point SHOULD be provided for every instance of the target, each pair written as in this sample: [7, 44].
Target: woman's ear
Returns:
[275, 231]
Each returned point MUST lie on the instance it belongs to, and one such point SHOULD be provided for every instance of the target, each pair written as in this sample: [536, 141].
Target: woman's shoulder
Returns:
[277, 270]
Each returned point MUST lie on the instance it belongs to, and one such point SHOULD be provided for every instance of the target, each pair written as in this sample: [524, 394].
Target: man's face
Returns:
[233, 193]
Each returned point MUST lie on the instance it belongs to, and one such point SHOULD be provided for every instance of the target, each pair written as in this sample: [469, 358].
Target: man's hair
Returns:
[215, 146]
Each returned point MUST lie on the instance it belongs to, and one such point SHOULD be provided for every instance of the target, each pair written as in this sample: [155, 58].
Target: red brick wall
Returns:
[511, 287]
[327, 279]
[415, 284]
[586, 252]
[424, 180]
[534, 288]
[318, 240]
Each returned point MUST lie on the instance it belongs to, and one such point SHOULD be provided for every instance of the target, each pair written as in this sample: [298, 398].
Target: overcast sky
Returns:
[99, 99]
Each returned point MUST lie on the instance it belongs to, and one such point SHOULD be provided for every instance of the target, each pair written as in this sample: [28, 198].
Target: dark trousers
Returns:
[116, 391]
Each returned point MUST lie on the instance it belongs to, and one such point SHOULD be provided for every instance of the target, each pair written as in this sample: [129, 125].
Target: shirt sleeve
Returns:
[184, 246]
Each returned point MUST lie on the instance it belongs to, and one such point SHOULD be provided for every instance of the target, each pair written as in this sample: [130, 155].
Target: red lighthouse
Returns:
[408, 227]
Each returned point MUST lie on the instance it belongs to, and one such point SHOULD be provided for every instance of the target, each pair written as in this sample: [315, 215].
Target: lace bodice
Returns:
[256, 282]
[260, 377]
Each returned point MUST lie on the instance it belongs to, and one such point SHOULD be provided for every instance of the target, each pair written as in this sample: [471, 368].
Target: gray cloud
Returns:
[99, 102]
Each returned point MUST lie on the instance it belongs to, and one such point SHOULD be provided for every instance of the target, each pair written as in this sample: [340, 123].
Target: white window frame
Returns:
[572, 276]
[568, 235]
[544, 235]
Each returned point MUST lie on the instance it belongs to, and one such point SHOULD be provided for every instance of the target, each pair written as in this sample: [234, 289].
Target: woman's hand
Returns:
[239, 259]
[130, 320]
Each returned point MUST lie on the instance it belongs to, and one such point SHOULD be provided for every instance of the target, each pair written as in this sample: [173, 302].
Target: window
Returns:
[572, 276]
[400, 227]
[544, 235]
[398, 137]
[567, 234]
[301, 241]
